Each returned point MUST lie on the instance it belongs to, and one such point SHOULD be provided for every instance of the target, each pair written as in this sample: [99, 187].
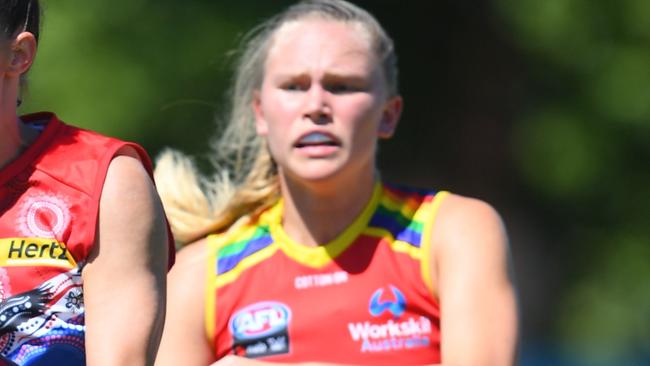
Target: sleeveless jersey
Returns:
[49, 202]
[364, 298]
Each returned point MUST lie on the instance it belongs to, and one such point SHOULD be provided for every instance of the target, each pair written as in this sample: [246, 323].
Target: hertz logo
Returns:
[35, 252]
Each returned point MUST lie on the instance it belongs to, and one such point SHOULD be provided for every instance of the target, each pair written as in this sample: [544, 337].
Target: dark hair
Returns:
[20, 15]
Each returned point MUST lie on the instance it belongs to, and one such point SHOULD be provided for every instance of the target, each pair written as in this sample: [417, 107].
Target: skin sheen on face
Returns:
[323, 101]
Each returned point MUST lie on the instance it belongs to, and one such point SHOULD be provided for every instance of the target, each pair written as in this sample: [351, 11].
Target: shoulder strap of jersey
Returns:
[427, 234]
[210, 289]
[214, 244]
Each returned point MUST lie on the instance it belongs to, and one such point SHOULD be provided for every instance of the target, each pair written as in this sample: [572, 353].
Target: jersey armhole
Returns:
[210, 291]
[427, 245]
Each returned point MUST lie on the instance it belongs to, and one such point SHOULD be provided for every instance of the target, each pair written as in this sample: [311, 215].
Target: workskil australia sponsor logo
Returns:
[261, 329]
[397, 332]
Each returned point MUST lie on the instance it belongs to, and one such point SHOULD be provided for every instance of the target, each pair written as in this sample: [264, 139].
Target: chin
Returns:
[317, 176]
[319, 172]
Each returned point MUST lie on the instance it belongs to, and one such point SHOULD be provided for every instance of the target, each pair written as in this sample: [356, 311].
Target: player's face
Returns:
[323, 101]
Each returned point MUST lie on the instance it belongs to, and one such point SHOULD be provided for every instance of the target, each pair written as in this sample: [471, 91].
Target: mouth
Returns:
[317, 139]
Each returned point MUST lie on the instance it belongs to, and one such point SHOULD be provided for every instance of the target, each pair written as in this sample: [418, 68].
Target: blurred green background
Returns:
[540, 107]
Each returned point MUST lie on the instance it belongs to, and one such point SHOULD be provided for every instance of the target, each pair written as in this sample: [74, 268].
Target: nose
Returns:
[317, 107]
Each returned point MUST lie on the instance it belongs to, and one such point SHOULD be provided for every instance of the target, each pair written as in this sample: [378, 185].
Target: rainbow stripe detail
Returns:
[400, 213]
[231, 255]
[400, 216]
[240, 250]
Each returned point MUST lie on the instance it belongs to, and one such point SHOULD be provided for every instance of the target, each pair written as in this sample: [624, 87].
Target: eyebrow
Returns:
[327, 75]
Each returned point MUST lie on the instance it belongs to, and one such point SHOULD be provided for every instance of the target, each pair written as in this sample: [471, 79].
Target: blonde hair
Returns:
[246, 178]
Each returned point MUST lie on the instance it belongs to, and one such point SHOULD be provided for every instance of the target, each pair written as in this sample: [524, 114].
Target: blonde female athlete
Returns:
[311, 257]
[83, 237]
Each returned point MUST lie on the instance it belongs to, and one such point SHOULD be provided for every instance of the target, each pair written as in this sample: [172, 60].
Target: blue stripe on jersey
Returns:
[399, 231]
[225, 264]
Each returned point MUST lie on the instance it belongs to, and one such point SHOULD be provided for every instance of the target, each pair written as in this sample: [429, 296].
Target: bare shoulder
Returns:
[469, 234]
[458, 210]
[130, 209]
[192, 257]
[188, 274]
[126, 180]
[130, 205]
[465, 217]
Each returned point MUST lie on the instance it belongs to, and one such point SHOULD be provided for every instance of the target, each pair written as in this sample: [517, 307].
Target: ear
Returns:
[390, 117]
[23, 51]
[261, 126]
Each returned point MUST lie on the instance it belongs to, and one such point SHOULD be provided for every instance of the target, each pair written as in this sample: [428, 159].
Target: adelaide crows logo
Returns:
[396, 305]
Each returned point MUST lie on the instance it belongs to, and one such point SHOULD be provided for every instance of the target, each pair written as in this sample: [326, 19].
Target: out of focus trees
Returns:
[540, 107]
[583, 145]
[152, 71]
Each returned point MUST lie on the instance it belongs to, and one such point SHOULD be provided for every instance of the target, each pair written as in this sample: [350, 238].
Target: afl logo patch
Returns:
[259, 320]
[44, 216]
[261, 329]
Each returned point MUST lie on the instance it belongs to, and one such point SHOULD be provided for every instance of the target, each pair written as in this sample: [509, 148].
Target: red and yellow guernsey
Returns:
[49, 202]
[364, 298]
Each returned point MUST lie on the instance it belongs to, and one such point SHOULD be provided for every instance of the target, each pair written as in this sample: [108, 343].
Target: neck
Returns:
[11, 142]
[14, 136]
[315, 214]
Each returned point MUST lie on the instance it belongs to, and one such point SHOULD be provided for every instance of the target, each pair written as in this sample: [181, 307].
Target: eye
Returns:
[294, 85]
[345, 86]
[340, 88]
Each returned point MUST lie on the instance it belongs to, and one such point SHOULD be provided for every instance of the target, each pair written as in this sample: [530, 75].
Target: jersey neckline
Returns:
[320, 256]
[35, 148]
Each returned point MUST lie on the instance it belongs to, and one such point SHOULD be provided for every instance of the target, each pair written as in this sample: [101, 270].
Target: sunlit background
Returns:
[541, 107]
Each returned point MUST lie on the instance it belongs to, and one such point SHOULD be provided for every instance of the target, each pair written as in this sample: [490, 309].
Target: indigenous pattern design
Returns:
[43, 319]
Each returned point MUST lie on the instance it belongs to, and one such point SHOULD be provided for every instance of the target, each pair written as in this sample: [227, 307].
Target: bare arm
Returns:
[124, 280]
[185, 340]
[473, 279]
